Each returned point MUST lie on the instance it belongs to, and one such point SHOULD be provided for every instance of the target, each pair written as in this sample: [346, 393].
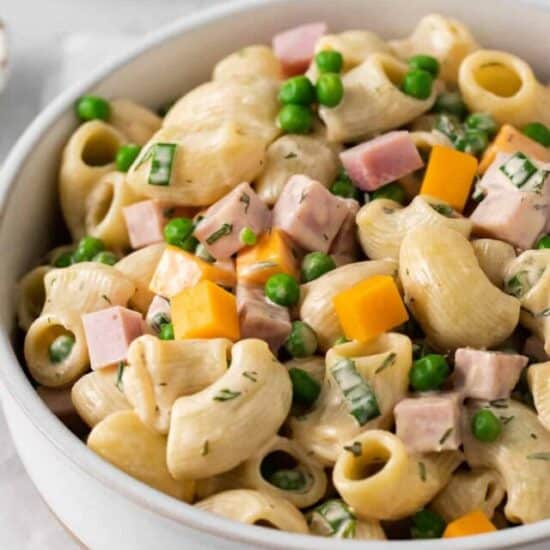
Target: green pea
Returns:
[429, 372]
[91, 107]
[61, 348]
[282, 289]
[543, 242]
[302, 340]
[424, 63]
[288, 480]
[125, 156]
[63, 260]
[190, 244]
[297, 90]
[305, 389]
[330, 89]
[87, 248]
[316, 264]
[343, 187]
[427, 525]
[248, 237]
[329, 61]
[538, 132]
[295, 119]
[473, 142]
[391, 191]
[166, 331]
[105, 257]
[483, 122]
[177, 231]
[485, 426]
[450, 103]
[418, 83]
[203, 254]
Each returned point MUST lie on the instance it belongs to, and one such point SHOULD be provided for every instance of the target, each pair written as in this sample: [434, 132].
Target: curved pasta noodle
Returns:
[295, 154]
[256, 508]
[139, 266]
[448, 293]
[504, 86]
[257, 60]
[538, 378]
[104, 210]
[207, 164]
[384, 363]
[475, 490]
[249, 474]
[214, 430]
[160, 371]
[373, 101]
[316, 307]
[528, 278]
[314, 366]
[98, 394]
[380, 480]
[444, 38]
[493, 257]
[134, 121]
[31, 296]
[124, 441]
[87, 157]
[520, 455]
[383, 224]
[70, 292]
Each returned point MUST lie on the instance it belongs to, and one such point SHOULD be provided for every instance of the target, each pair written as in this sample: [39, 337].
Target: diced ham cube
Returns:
[220, 230]
[510, 216]
[309, 214]
[295, 47]
[487, 374]
[534, 348]
[158, 313]
[109, 332]
[429, 423]
[260, 318]
[381, 160]
[345, 247]
[145, 222]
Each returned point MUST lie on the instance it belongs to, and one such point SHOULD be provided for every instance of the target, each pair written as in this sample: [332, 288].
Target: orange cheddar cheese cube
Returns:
[178, 270]
[511, 140]
[449, 176]
[370, 308]
[272, 254]
[474, 523]
[205, 311]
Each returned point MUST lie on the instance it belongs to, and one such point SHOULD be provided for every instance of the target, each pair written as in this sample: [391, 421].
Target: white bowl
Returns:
[101, 505]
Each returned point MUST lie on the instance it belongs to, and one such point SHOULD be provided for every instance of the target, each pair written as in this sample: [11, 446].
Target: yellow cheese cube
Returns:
[370, 308]
[178, 270]
[449, 176]
[272, 254]
[205, 311]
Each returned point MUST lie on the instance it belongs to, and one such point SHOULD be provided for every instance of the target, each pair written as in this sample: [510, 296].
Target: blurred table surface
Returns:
[39, 31]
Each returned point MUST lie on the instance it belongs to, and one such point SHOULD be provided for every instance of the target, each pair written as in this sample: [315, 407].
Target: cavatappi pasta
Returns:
[305, 295]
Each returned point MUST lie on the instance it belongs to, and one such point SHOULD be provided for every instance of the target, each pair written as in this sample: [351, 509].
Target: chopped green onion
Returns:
[202, 253]
[473, 142]
[522, 172]
[166, 331]
[158, 320]
[162, 159]
[333, 518]
[518, 284]
[358, 393]
[483, 122]
[449, 125]
[305, 389]
[288, 480]
[224, 230]
[226, 395]
[450, 103]
[443, 209]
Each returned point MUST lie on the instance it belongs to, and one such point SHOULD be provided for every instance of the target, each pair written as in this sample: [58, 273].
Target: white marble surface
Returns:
[53, 42]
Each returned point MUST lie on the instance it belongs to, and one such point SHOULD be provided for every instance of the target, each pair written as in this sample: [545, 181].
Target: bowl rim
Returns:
[87, 462]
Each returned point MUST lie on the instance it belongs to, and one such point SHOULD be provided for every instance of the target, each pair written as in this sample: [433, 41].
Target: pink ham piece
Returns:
[510, 216]
[158, 313]
[145, 222]
[221, 227]
[381, 160]
[260, 318]
[345, 248]
[487, 374]
[109, 332]
[295, 47]
[309, 214]
[429, 423]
